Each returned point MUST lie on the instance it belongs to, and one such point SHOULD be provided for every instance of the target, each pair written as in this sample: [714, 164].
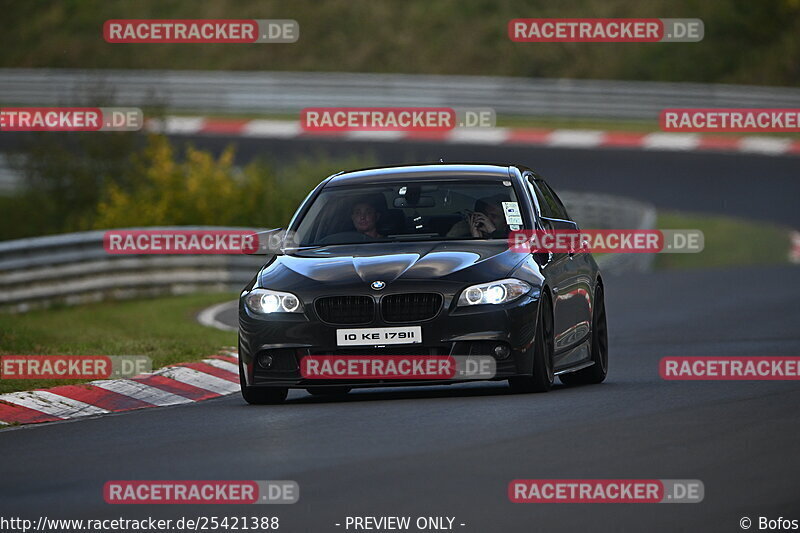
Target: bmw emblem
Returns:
[378, 285]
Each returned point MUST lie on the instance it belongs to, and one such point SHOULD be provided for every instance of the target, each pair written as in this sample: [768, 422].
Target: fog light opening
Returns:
[502, 351]
[265, 360]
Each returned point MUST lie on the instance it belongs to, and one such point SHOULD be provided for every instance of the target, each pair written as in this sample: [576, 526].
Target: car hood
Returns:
[364, 263]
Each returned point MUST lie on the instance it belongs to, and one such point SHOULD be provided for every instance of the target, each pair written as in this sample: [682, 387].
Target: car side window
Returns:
[547, 205]
[554, 203]
[535, 201]
[561, 208]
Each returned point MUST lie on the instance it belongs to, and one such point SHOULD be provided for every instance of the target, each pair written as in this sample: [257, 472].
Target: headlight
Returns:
[265, 301]
[496, 292]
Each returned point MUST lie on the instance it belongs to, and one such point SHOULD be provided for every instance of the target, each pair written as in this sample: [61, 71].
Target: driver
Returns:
[486, 222]
[365, 219]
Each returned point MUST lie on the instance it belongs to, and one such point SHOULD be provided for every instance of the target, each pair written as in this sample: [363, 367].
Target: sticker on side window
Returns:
[511, 211]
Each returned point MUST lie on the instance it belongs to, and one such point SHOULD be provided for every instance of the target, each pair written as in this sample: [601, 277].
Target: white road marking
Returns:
[177, 125]
[576, 138]
[272, 128]
[764, 145]
[479, 135]
[671, 141]
[200, 380]
[223, 365]
[140, 391]
[208, 316]
[375, 135]
[52, 404]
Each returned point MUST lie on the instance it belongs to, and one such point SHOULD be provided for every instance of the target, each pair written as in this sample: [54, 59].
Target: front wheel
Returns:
[598, 371]
[542, 378]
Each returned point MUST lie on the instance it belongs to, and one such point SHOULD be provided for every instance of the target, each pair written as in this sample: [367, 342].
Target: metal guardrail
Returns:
[75, 268]
[9, 178]
[602, 211]
[289, 92]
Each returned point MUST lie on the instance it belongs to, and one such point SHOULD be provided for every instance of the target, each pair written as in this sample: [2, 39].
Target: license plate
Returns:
[378, 336]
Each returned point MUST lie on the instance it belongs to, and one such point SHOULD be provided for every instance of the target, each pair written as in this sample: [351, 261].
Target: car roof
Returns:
[421, 172]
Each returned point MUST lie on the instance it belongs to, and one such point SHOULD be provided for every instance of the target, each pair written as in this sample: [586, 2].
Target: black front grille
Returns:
[410, 307]
[346, 309]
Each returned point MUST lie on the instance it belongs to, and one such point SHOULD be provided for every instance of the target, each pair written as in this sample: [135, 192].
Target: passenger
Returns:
[487, 222]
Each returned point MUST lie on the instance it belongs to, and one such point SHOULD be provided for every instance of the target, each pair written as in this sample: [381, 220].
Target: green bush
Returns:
[63, 178]
[125, 183]
[199, 189]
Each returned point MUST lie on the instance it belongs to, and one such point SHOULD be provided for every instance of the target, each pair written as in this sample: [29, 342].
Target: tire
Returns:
[261, 395]
[542, 378]
[598, 371]
[329, 391]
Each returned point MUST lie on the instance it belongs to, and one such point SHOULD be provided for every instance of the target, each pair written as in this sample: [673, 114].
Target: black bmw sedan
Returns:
[414, 261]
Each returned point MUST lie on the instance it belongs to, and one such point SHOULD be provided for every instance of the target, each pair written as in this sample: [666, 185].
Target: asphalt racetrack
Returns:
[451, 451]
[754, 186]
[759, 187]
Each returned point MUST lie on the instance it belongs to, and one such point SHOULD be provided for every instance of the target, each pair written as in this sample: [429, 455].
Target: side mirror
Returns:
[555, 224]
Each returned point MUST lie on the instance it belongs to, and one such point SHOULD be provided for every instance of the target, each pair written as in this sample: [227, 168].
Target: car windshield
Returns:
[411, 211]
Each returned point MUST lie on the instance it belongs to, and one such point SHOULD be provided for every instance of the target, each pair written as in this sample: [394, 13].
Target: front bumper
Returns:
[287, 338]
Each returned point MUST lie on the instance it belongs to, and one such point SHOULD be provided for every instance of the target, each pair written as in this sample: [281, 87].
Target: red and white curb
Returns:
[562, 138]
[173, 385]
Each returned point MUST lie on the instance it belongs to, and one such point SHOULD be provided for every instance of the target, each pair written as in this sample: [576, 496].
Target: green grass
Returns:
[728, 241]
[637, 126]
[163, 329]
